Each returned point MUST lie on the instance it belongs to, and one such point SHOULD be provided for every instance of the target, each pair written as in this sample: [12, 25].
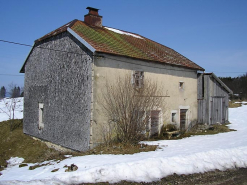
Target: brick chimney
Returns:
[93, 18]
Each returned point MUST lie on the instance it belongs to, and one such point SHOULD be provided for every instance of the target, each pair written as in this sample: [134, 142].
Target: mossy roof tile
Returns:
[106, 40]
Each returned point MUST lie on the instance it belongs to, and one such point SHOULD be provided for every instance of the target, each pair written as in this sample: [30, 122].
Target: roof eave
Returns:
[22, 70]
[155, 61]
[86, 44]
[220, 82]
[81, 40]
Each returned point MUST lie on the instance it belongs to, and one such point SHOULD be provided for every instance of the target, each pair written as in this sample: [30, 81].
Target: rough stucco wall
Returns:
[62, 81]
[110, 67]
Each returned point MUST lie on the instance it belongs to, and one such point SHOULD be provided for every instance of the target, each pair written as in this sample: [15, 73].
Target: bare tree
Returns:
[11, 104]
[128, 107]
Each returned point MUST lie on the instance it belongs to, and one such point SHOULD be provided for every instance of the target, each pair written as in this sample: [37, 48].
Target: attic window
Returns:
[181, 85]
[138, 79]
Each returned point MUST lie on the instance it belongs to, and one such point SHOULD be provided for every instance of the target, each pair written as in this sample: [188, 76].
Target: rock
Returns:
[211, 128]
[71, 168]
[55, 170]
[23, 165]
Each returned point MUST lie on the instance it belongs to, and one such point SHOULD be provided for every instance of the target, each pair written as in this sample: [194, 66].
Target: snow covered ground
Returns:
[6, 108]
[186, 156]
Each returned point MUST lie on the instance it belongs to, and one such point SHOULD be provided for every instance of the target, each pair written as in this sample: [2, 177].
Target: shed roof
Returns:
[220, 82]
[123, 43]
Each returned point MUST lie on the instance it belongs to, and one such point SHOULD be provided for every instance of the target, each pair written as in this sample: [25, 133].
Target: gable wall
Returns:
[109, 68]
[62, 82]
[213, 107]
[216, 90]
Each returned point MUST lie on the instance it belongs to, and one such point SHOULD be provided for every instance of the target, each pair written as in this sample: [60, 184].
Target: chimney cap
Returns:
[91, 8]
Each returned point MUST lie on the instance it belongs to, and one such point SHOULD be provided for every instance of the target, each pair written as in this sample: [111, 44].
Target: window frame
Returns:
[41, 116]
[138, 79]
[181, 85]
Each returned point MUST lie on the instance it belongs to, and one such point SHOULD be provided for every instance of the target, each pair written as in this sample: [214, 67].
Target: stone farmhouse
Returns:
[67, 69]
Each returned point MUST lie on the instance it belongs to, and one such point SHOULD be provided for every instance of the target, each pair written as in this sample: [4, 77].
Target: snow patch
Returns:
[123, 32]
[67, 156]
[13, 161]
[196, 154]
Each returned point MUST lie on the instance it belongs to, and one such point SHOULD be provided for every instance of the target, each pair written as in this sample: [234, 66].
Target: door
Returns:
[217, 110]
[183, 118]
[155, 120]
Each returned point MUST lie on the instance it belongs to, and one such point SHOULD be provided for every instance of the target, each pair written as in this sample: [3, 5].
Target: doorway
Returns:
[155, 121]
[183, 119]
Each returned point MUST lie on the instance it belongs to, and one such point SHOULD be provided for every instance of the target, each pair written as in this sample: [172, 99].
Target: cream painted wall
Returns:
[109, 68]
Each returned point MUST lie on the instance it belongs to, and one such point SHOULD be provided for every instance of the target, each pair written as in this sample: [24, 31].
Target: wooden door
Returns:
[183, 118]
[217, 111]
[155, 119]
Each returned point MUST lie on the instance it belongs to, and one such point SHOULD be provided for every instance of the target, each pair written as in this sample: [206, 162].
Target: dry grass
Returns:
[234, 105]
[122, 148]
[16, 144]
[214, 129]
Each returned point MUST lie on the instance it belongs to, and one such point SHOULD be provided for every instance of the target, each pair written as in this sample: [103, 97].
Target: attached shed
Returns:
[213, 99]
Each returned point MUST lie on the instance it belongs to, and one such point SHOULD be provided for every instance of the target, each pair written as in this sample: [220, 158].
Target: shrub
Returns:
[127, 108]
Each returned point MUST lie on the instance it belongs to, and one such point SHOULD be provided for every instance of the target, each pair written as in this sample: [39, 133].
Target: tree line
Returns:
[14, 92]
[238, 85]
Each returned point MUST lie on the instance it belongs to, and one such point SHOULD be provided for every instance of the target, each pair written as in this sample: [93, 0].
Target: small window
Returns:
[181, 85]
[173, 117]
[41, 115]
[138, 79]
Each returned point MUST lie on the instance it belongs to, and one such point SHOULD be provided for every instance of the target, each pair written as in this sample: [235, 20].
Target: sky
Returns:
[211, 33]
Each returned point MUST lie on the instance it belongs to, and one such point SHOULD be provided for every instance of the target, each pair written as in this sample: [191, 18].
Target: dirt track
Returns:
[228, 177]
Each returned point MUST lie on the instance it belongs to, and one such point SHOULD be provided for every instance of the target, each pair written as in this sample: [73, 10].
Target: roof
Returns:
[122, 43]
[220, 82]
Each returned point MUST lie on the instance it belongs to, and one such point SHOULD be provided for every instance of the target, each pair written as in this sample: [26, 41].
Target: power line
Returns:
[163, 68]
[10, 42]
[17, 43]
[10, 75]
[21, 44]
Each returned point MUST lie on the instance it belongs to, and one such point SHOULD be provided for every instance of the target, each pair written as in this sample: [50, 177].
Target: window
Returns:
[41, 115]
[181, 85]
[173, 117]
[138, 79]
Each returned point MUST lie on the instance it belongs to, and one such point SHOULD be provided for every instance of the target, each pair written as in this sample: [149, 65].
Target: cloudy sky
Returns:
[211, 33]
